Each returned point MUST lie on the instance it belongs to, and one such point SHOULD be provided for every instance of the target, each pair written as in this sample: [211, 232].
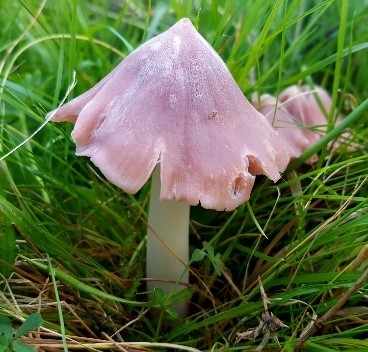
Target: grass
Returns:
[73, 245]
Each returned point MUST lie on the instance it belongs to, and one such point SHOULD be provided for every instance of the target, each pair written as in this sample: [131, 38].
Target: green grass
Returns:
[72, 246]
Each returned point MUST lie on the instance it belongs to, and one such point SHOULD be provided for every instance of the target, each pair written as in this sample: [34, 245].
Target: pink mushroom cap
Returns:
[309, 107]
[173, 102]
[280, 118]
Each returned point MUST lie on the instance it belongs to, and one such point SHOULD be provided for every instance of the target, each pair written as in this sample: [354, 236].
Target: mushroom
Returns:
[309, 107]
[280, 119]
[299, 115]
[171, 107]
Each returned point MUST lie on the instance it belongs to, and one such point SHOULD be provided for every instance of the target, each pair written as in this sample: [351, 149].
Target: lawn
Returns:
[287, 268]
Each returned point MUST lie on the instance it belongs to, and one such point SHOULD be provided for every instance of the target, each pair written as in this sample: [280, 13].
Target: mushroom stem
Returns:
[167, 243]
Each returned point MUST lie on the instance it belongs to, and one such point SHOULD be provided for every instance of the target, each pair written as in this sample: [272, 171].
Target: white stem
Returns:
[167, 243]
